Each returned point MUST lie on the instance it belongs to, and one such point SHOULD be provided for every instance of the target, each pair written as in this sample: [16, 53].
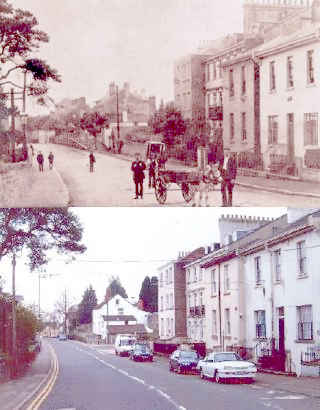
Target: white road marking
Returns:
[290, 397]
[160, 392]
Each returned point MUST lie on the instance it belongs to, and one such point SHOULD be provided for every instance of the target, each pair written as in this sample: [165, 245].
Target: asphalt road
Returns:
[111, 184]
[93, 378]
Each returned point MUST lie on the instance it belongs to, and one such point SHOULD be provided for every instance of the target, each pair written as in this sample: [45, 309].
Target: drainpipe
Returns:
[271, 300]
[219, 305]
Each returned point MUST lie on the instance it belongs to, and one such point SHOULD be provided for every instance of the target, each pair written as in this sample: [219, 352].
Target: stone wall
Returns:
[15, 180]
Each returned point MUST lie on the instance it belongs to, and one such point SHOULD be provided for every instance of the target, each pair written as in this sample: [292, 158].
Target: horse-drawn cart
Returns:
[186, 180]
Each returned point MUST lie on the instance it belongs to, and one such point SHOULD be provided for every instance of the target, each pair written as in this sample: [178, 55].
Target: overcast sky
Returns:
[129, 242]
[94, 42]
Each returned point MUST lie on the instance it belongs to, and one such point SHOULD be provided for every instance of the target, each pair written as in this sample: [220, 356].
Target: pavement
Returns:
[15, 394]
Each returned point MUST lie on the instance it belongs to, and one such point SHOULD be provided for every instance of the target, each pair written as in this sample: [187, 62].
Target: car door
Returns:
[175, 360]
[209, 363]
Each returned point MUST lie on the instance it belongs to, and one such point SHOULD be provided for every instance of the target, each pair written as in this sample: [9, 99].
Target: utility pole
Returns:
[24, 112]
[118, 126]
[14, 319]
[13, 125]
[65, 311]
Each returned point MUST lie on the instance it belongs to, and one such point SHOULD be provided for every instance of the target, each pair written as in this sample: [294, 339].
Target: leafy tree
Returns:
[173, 127]
[169, 122]
[158, 119]
[145, 293]
[154, 294]
[37, 231]
[93, 123]
[88, 303]
[27, 327]
[19, 38]
[149, 294]
[115, 288]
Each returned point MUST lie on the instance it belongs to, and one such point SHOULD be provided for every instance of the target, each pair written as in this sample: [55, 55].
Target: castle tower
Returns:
[266, 13]
[316, 11]
[112, 89]
[233, 227]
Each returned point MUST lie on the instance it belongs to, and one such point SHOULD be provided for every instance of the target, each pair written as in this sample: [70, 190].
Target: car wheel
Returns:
[170, 368]
[218, 378]
[202, 374]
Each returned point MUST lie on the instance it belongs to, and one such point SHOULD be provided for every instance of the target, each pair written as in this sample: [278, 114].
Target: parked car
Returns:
[183, 361]
[226, 365]
[141, 352]
[62, 336]
[123, 344]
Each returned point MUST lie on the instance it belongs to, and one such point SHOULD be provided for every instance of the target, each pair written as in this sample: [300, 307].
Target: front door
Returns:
[281, 335]
[281, 353]
[290, 121]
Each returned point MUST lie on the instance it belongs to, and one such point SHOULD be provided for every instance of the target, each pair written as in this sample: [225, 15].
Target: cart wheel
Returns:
[161, 191]
[187, 191]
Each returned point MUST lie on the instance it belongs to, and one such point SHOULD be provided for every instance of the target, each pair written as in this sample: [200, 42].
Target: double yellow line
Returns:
[45, 391]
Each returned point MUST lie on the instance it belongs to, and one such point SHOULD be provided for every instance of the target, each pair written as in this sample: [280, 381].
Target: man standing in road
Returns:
[228, 174]
[40, 160]
[50, 158]
[138, 167]
[92, 160]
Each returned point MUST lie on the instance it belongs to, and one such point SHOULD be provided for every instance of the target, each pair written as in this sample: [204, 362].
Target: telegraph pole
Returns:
[14, 319]
[24, 111]
[118, 126]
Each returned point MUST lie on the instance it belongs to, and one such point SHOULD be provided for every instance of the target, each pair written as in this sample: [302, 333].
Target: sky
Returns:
[129, 242]
[94, 42]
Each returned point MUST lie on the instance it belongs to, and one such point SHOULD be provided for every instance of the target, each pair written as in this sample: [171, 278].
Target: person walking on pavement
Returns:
[50, 158]
[92, 160]
[138, 167]
[40, 160]
[228, 173]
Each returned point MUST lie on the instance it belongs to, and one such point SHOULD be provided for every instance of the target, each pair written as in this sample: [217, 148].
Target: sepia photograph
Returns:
[176, 103]
[119, 120]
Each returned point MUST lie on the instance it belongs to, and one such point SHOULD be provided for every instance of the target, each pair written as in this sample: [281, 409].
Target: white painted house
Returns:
[289, 100]
[282, 304]
[117, 307]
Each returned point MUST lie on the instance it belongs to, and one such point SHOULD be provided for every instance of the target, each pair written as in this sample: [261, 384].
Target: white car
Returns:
[226, 365]
[124, 344]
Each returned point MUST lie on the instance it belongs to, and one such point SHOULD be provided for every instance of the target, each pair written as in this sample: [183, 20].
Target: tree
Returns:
[19, 38]
[115, 288]
[61, 309]
[158, 119]
[27, 327]
[88, 303]
[93, 123]
[173, 127]
[154, 294]
[37, 231]
[145, 293]
[169, 122]
[149, 294]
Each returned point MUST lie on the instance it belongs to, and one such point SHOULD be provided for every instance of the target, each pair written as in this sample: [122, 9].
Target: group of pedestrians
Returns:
[40, 159]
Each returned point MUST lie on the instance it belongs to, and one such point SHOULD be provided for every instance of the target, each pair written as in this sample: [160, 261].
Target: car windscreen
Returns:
[142, 349]
[188, 355]
[126, 342]
[226, 357]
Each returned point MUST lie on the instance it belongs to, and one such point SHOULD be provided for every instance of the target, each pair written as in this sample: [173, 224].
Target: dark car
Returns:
[141, 352]
[183, 361]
